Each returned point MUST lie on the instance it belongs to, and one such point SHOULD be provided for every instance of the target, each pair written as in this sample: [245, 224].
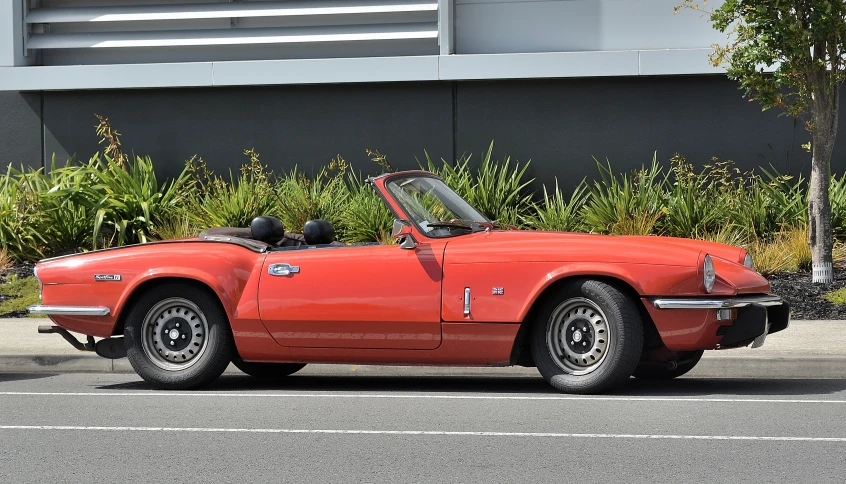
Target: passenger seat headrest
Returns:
[267, 229]
[318, 232]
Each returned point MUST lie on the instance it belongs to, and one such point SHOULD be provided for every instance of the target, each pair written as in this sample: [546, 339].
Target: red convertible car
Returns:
[589, 311]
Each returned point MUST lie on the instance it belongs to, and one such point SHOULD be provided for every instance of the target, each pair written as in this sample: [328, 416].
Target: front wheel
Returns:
[588, 337]
[177, 336]
[267, 370]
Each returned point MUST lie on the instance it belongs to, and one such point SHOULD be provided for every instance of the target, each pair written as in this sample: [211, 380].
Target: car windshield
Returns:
[435, 208]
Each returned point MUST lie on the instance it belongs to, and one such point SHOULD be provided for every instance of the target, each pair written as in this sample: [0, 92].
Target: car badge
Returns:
[106, 277]
[498, 291]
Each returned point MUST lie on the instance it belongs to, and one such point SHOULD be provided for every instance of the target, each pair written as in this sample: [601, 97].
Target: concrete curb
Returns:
[824, 367]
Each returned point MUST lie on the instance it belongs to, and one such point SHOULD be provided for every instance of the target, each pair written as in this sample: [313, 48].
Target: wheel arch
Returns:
[148, 284]
[521, 354]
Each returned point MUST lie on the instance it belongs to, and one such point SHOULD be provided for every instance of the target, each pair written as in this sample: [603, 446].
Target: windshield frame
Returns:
[385, 191]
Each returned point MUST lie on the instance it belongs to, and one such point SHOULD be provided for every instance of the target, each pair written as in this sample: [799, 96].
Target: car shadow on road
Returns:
[682, 387]
[10, 377]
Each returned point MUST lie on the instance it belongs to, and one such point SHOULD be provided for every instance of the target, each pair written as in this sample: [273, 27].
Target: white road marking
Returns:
[425, 433]
[419, 396]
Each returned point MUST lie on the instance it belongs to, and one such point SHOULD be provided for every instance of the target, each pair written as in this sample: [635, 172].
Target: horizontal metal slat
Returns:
[226, 10]
[234, 36]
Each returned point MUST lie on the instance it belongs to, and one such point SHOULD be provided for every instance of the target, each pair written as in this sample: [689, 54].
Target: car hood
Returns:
[536, 246]
[682, 259]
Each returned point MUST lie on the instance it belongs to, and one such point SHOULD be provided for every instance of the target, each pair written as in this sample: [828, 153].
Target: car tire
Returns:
[607, 348]
[267, 370]
[646, 371]
[177, 337]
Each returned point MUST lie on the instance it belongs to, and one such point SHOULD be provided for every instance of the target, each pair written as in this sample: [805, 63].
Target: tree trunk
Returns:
[824, 109]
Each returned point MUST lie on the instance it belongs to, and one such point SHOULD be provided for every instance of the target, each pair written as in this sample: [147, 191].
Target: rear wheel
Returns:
[177, 336]
[267, 370]
[668, 371]
[587, 338]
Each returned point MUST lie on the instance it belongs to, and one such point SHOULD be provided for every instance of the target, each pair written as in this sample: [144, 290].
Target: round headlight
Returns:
[709, 275]
[748, 262]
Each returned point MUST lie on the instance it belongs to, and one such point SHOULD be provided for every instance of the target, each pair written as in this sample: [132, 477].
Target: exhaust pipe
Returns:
[111, 348]
[89, 346]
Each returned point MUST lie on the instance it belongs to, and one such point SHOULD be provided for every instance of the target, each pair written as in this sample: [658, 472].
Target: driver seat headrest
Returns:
[318, 232]
[267, 229]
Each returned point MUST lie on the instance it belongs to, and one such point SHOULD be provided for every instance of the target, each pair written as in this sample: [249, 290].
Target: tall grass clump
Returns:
[5, 261]
[322, 197]
[696, 203]
[625, 205]
[129, 199]
[63, 203]
[19, 215]
[365, 218]
[557, 213]
[498, 189]
[219, 202]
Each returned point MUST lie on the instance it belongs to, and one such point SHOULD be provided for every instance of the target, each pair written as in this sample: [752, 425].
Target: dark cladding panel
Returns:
[562, 124]
[20, 129]
[288, 125]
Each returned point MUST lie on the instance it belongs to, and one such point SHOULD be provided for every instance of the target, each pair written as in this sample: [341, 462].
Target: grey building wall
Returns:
[288, 125]
[558, 124]
[20, 129]
[562, 124]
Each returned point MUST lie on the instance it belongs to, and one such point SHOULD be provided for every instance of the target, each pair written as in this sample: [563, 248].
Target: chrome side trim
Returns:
[68, 310]
[710, 303]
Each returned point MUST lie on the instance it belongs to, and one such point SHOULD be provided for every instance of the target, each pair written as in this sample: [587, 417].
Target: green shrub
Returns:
[496, 189]
[5, 261]
[233, 203]
[837, 194]
[19, 216]
[323, 197]
[128, 199]
[556, 212]
[628, 205]
[696, 203]
[64, 219]
[365, 217]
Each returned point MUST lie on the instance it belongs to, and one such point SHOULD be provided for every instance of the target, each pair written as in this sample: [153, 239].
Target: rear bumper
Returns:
[68, 310]
[694, 324]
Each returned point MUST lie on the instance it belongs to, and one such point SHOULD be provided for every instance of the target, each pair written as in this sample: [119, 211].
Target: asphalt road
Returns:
[394, 428]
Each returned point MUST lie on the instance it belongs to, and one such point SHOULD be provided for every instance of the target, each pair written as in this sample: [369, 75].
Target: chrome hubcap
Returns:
[578, 336]
[174, 334]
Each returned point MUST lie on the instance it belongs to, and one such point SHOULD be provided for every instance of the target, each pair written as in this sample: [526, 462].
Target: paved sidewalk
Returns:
[807, 349]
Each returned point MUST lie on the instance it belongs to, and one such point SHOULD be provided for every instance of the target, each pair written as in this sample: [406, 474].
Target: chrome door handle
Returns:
[282, 269]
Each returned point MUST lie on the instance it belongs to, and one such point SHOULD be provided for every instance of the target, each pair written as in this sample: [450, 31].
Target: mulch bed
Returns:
[804, 297]
[795, 287]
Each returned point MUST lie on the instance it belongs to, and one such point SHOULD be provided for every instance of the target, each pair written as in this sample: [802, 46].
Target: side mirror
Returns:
[402, 230]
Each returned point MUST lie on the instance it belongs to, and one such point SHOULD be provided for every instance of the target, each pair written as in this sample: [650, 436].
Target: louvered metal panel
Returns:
[393, 27]
[233, 37]
[226, 10]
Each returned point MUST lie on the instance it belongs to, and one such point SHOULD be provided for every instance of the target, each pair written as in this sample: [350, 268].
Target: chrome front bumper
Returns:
[717, 303]
[68, 310]
[752, 318]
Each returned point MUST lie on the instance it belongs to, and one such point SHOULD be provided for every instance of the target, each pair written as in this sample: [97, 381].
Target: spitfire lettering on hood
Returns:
[106, 277]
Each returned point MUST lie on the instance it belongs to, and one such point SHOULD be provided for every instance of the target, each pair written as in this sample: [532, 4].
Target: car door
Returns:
[372, 296]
